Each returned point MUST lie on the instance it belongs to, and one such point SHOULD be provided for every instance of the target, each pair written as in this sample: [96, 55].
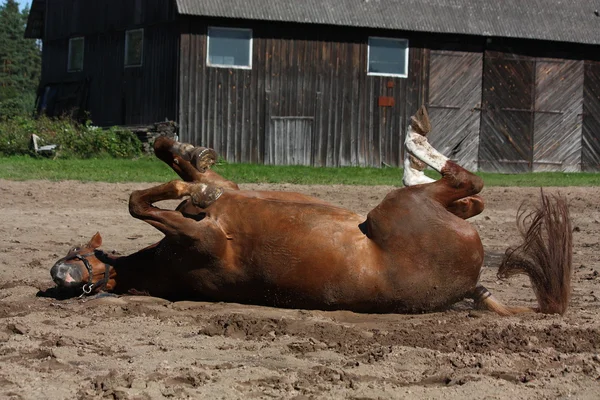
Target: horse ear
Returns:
[95, 241]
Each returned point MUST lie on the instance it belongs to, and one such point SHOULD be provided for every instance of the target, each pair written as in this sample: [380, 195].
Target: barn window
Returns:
[229, 47]
[388, 57]
[75, 61]
[134, 47]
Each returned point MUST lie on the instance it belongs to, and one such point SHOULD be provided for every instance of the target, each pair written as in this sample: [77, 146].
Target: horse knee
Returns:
[136, 206]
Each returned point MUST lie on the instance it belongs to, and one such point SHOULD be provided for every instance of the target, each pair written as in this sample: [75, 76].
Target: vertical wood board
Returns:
[454, 101]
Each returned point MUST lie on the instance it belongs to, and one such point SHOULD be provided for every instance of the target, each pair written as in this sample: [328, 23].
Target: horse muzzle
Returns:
[66, 275]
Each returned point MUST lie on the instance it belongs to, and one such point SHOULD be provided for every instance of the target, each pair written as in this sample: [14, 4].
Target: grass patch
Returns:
[143, 169]
[148, 169]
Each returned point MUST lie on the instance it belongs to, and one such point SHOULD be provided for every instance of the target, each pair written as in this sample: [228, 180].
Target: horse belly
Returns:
[307, 256]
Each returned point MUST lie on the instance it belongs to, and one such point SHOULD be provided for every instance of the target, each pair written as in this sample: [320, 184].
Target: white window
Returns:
[388, 57]
[134, 47]
[229, 47]
[75, 58]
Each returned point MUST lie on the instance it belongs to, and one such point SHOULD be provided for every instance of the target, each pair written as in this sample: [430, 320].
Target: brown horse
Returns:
[413, 253]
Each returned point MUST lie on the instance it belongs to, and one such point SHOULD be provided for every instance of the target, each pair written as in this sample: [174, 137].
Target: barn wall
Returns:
[304, 82]
[111, 93]
[503, 106]
[69, 18]
[496, 105]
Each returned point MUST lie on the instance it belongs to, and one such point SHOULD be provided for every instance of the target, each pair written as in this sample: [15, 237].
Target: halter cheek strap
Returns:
[89, 287]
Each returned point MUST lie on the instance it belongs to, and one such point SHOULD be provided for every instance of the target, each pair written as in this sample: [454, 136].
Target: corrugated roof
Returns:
[558, 20]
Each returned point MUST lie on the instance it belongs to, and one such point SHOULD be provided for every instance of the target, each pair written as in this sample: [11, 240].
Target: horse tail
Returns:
[545, 256]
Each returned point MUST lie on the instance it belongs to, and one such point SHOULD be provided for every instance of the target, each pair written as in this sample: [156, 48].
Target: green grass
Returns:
[151, 170]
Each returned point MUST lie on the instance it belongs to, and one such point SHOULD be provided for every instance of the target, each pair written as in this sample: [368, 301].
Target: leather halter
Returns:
[89, 287]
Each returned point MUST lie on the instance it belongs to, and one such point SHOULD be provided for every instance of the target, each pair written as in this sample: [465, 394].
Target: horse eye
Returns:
[74, 249]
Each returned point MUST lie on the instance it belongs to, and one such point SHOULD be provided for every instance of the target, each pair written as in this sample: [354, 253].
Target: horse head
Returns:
[84, 266]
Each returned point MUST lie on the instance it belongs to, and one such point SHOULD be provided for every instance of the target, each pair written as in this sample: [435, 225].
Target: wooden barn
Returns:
[511, 86]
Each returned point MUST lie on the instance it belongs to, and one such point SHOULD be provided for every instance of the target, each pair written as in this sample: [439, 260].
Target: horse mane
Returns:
[546, 253]
[106, 257]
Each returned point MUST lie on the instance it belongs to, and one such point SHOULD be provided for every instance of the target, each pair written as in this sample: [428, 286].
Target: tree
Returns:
[20, 58]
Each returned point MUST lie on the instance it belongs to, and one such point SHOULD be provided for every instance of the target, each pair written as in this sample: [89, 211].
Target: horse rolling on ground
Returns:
[414, 252]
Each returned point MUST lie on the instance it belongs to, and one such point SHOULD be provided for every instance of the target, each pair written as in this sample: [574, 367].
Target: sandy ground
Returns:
[143, 347]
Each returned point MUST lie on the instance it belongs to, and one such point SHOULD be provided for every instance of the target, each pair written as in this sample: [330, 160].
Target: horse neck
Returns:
[134, 270]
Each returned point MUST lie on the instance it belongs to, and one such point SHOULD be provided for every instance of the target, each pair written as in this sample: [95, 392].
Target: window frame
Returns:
[250, 48]
[406, 55]
[127, 32]
[70, 54]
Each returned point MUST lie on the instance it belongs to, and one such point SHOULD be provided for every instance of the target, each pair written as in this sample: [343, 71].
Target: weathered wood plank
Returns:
[455, 97]
[558, 108]
[591, 117]
[507, 119]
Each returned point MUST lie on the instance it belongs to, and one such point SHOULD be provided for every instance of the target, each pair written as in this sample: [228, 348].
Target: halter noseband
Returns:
[89, 287]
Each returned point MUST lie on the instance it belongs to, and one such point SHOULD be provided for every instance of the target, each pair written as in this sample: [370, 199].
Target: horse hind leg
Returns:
[413, 172]
[458, 188]
[484, 299]
[467, 207]
[417, 144]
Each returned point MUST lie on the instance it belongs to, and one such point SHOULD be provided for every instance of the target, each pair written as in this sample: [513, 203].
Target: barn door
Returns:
[506, 138]
[591, 117]
[454, 104]
[558, 110]
[289, 141]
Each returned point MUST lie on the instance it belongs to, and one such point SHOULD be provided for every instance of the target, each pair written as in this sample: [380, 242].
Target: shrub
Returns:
[17, 106]
[74, 140]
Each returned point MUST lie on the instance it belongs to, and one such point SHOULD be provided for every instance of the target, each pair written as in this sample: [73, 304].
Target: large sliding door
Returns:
[507, 113]
[454, 104]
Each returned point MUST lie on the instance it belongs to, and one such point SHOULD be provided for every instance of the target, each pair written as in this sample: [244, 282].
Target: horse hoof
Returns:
[203, 158]
[204, 195]
[420, 122]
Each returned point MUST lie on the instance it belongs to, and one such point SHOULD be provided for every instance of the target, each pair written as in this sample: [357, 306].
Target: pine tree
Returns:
[20, 58]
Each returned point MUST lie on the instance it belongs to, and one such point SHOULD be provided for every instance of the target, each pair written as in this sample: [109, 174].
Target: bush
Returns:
[74, 140]
[18, 106]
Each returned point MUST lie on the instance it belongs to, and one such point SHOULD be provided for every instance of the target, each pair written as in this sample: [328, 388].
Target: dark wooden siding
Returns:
[591, 117]
[68, 18]
[317, 76]
[115, 95]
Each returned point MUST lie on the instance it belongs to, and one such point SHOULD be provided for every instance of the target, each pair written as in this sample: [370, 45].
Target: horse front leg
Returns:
[191, 163]
[171, 222]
